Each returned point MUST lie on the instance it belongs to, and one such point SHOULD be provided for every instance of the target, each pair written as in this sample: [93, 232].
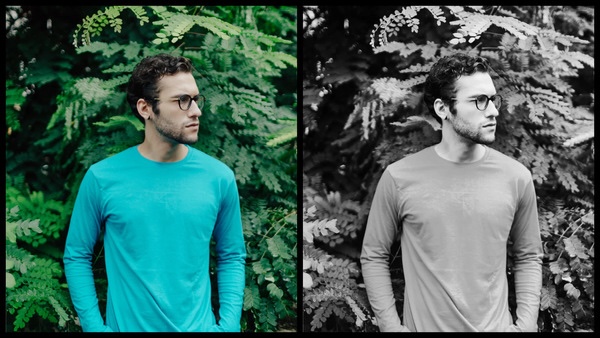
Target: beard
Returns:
[173, 132]
[471, 132]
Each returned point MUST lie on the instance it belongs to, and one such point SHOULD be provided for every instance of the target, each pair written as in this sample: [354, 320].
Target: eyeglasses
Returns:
[482, 101]
[185, 101]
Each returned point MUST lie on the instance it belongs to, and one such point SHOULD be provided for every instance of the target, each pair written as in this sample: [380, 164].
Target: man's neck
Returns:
[163, 151]
[460, 152]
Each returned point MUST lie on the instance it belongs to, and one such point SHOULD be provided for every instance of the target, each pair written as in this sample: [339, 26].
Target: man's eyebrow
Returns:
[176, 96]
[473, 96]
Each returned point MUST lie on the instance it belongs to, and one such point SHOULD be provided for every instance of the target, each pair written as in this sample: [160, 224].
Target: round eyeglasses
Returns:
[185, 101]
[482, 101]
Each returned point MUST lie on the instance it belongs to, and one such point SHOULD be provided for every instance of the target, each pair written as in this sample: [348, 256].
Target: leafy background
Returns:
[363, 70]
[66, 71]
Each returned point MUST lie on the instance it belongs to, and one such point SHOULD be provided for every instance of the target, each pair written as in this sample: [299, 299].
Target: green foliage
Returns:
[32, 282]
[14, 100]
[52, 214]
[93, 25]
[271, 290]
[543, 62]
[247, 71]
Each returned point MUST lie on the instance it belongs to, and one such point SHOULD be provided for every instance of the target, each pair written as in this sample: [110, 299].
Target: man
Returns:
[159, 203]
[455, 206]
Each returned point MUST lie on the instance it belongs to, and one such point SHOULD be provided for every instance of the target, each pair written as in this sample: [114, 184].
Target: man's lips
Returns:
[195, 124]
[489, 125]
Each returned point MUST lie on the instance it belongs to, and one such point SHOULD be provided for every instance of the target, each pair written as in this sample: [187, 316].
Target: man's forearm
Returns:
[528, 284]
[378, 283]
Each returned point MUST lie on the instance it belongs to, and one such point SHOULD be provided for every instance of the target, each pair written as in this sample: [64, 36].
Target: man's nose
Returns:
[492, 110]
[194, 110]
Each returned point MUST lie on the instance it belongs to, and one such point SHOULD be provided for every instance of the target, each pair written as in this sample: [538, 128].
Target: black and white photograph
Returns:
[448, 166]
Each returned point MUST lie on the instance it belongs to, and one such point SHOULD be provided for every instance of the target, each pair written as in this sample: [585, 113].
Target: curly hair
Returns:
[145, 76]
[440, 82]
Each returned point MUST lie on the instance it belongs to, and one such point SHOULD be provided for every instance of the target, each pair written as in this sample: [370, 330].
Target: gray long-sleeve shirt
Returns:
[455, 221]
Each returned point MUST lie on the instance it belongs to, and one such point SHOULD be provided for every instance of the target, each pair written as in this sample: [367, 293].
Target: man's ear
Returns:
[144, 108]
[441, 109]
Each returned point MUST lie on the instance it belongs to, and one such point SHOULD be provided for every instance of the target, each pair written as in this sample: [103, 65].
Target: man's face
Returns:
[467, 121]
[172, 123]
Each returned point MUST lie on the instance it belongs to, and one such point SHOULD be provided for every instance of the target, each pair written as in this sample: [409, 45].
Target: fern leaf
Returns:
[575, 55]
[572, 291]
[278, 248]
[575, 248]
[513, 100]
[559, 266]
[418, 121]
[418, 68]
[518, 28]
[287, 134]
[120, 121]
[548, 298]
[567, 180]
[388, 89]
[262, 267]
[222, 29]
[581, 138]
[358, 312]
[251, 297]
[274, 290]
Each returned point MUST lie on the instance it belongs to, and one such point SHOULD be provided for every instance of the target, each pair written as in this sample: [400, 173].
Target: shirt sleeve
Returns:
[380, 233]
[231, 260]
[83, 233]
[527, 255]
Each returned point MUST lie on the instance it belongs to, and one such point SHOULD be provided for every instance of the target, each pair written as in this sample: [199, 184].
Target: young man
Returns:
[456, 205]
[159, 203]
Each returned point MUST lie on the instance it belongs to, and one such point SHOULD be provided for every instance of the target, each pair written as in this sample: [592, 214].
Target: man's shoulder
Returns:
[204, 159]
[114, 160]
[500, 156]
[417, 158]
[508, 163]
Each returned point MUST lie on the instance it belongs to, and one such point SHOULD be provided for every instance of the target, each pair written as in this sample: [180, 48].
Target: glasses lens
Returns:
[185, 101]
[200, 101]
[497, 99]
[482, 102]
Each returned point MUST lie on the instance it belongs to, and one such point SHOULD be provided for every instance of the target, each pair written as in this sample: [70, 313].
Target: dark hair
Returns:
[145, 76]
[440, 82]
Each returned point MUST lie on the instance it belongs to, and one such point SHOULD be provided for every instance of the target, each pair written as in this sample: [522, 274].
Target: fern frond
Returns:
[576, 59]
[417, 68]
[390, 90]
[412, 121]
[312, 229]
[581, 138]
[94, 24]
[120, 121]
[285, 135]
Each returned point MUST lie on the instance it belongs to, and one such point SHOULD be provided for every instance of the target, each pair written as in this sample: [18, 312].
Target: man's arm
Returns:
[381, 231]
[84, 230]
[231, 260]
[528, 254]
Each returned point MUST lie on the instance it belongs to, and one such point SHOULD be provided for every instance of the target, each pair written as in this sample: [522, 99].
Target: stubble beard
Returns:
[470, 132]
[171, 132]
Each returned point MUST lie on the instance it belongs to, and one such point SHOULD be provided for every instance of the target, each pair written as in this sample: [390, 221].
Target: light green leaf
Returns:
[10, 280]
[278, 248]
[274, 290]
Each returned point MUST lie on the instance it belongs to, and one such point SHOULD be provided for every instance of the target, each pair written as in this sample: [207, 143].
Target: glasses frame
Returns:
[487, 103]
[200, 100]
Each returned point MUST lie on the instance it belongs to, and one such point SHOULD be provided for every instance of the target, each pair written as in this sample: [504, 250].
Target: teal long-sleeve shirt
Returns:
[455, 221]
[158, 220]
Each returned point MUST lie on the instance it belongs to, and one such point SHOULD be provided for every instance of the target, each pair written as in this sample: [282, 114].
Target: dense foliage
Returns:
[363, 71]
[66, 109]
